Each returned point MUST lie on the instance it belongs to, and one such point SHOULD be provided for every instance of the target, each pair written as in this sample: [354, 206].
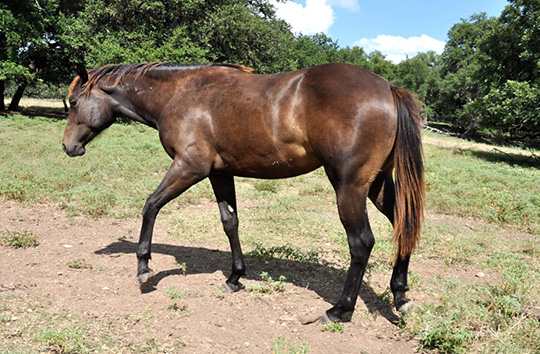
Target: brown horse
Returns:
[220, 121]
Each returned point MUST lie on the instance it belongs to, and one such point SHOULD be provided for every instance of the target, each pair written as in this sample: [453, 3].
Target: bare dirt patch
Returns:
[85, 269]
[37, 102]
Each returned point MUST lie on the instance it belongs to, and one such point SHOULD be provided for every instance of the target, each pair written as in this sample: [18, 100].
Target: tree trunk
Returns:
[2, 90]
[14, 105]
[3, 56]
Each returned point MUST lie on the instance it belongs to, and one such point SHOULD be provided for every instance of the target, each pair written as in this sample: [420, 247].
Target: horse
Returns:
[219, 121]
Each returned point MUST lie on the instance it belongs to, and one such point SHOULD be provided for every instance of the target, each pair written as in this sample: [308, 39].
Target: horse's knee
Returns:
[360, 246]
[229, 220]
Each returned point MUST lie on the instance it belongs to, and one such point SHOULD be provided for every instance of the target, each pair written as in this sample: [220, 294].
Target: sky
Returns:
[397, 28]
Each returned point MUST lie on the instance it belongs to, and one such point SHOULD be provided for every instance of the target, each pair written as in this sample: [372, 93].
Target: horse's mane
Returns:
[123, 71]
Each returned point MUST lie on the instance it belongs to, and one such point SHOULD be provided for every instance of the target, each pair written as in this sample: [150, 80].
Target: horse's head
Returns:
[90, 112]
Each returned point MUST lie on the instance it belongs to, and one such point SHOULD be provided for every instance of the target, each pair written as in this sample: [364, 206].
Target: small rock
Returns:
[480, 275]
[309, 318]
[288, 318]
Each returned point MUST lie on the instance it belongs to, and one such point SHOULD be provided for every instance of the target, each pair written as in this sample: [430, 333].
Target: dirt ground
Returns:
[205, 320]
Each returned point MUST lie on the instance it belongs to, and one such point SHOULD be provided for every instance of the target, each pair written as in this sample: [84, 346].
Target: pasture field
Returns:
[69, 226]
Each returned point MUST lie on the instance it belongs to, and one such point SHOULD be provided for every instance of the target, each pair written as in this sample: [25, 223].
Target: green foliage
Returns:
[334, 327]
[489, 73]
[288, 252]
[511, 109]
[18, 239]
[420, 75]
[458, 83]
[446, 336]
[512, 47]
[282, 345]
[175, 295]
[269, 285]
[67, 340]
[79, 263]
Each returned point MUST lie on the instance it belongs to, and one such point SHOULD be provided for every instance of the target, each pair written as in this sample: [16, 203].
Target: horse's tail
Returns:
[409, 173]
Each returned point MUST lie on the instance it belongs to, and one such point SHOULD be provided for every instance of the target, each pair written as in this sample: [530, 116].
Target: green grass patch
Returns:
[18, 239]
[486, 185]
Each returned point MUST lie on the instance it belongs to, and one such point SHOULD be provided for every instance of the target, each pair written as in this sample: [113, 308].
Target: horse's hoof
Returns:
[145, 278]
[405, 308]
[345, 317]
[232, 288]
[326, 319]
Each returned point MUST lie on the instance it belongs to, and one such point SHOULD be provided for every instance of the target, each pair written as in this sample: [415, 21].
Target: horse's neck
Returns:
[140, 101]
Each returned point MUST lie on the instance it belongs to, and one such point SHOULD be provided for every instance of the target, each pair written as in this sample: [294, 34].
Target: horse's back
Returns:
[281, 125]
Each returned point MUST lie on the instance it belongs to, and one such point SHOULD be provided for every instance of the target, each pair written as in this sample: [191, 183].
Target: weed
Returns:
[281, 345]
[288, 252]
[150, 334]
[446, 336]
[183, 268]
[269, 286]
[333, 327]
[79, 264]
[18, 239]
[175, 295]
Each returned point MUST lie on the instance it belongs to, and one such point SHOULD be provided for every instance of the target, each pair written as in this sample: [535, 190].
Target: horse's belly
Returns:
[283, 163]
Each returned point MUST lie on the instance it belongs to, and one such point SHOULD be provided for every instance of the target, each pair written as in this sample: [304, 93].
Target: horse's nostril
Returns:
[64, 147]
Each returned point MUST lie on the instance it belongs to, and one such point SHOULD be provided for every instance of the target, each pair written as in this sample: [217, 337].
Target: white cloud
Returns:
[397, 48]
[317, 16]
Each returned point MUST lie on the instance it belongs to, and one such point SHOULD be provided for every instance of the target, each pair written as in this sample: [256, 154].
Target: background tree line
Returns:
[485, 82]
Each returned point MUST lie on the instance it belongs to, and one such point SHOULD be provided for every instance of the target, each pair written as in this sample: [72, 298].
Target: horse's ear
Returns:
[83, 74]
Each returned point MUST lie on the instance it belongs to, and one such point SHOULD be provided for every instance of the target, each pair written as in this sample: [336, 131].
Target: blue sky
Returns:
[395, 27]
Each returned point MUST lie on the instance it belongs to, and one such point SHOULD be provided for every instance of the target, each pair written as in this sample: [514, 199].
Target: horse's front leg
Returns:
[226, 197]
[177, 180]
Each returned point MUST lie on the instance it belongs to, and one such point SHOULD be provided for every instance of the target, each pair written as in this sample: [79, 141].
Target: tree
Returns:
[30, 48]
[420, 75]
[512, 110]
[355, 56]
[43, 40]
[510, 72]
[459, 65]
[380, 65]
[512, 47]
[312, 50]
[184, 31]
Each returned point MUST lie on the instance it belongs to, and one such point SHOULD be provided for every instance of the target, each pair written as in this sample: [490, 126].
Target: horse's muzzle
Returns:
[75, 150]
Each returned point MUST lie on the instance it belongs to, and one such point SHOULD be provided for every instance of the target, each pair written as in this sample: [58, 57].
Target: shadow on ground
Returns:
[327, 281]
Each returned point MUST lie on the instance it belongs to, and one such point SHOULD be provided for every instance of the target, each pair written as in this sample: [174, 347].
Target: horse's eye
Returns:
[72, 102]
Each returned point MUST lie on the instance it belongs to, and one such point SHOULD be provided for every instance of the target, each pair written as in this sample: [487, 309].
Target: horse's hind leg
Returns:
[383, 194]
[225, 194]
[351, 199]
